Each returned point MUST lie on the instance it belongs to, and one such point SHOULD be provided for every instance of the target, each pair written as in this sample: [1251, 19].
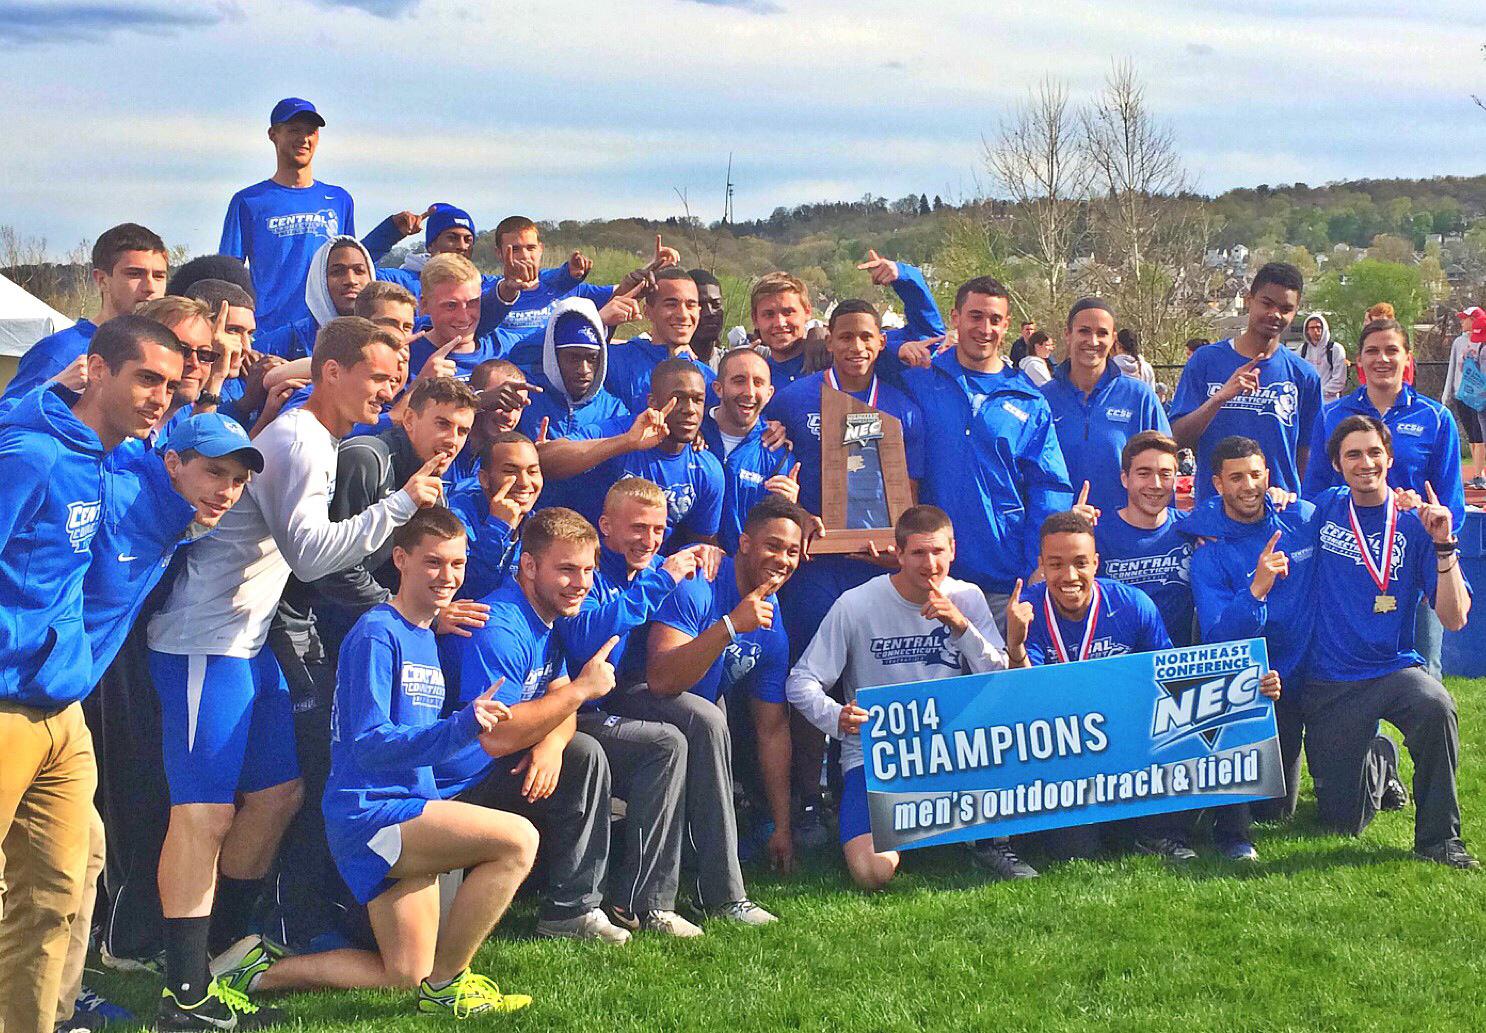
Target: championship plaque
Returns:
[864, 484]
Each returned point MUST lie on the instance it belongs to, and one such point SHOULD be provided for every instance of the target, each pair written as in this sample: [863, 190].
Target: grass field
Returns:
[1323, 934]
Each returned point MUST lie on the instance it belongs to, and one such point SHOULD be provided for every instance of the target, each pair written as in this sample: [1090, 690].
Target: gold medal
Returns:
[1385, 604]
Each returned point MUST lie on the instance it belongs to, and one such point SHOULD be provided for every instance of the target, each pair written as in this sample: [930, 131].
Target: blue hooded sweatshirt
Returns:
[1223, 569]
[144, 521]
[51, 502]
[1093, 428]
[996, 467]
[564, 413]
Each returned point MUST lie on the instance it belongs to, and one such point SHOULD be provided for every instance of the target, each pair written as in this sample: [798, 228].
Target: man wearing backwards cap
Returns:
[155, 502]
[277, 225]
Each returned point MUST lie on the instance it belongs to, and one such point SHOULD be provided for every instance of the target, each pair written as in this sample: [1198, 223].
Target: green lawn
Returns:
[1323, 934]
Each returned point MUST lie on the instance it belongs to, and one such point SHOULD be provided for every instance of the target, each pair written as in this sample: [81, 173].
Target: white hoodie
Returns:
[316, 293]
[1328, 358]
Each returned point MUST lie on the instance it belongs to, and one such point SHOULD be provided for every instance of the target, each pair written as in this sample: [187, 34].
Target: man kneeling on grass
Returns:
[939, 627]
[390, 833]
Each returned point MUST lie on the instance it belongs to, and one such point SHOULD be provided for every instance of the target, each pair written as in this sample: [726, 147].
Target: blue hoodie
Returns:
[144, 521]
[566, 415]
[1223, 570]
[1093, 429]
[996, 470]
[51, 502]
[46, 358]
[1426, 447]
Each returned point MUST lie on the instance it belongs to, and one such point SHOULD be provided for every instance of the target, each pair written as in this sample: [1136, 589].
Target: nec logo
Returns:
[1204, 706]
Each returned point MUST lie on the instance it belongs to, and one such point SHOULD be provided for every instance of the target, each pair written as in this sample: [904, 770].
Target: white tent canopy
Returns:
[25, 319]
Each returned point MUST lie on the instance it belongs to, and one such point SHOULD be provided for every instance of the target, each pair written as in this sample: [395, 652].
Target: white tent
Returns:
[25, 319]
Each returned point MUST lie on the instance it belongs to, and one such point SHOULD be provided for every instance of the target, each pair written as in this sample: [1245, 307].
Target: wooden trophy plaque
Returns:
[864, 483]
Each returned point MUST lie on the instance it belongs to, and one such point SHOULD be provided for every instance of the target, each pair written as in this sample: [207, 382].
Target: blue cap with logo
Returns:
[291, 108]
[212, 434]
[445, 216]
[573, 330]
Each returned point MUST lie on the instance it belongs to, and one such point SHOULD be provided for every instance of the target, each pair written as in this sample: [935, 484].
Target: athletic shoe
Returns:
[591, 925]
[1170, 848]
[1451, 852]
[1395, 794]
[154, 966]
[223, 1008]
[669, 923]
[1238, 850]
[810, 828]
[997, 857]
[1477, 482]
[744, 912]
[624, 919]
[240, 965]
[90, 1003]
[468, 994]
[81, 1022]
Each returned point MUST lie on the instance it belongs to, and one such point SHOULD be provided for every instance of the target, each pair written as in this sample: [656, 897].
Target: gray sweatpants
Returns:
[647, 761]
[1341, 720]
[711, 838]
[573, 822]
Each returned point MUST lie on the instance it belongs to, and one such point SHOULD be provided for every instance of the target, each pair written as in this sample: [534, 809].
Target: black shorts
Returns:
[1472, 421]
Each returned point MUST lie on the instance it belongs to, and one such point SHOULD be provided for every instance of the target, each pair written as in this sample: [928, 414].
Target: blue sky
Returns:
[155, 111]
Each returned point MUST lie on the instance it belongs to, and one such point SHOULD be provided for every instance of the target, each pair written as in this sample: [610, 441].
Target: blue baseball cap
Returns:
[212, 434]
[573, 330]
[289, 108]
[444, 216]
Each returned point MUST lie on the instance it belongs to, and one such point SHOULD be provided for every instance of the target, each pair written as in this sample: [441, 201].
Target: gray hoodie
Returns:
[1327, 357]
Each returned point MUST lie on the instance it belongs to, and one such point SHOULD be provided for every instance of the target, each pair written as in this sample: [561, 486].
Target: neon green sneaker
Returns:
[240, 965]
[222, 1008]
[469, 994]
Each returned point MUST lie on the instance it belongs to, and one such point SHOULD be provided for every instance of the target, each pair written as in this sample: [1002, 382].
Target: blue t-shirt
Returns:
[1280, 415]
[515, 645]
[386, 734]
[46, 358]
[1426, 446]
[630, 366]
[563, 418]
[616, 606]
[522, 331]
[1093, 429]
[293, 340]
[487, 346]
[493, 550]
[744, 471]
[1352, 640]
[1128, 622]
[1155, 561]
[756, 663]
[277, 230]
[1223, 573]
[691, 479]
[798, 408]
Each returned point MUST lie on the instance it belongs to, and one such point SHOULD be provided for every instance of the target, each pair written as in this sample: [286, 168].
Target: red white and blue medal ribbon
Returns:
[1091, 623]
[871, 391]
[1381, 573]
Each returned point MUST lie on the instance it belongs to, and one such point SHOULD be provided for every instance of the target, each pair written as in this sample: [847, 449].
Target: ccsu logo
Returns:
[82, 522]
[1204, 706]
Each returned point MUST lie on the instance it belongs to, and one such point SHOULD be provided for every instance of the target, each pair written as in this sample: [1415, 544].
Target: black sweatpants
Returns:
[1341, 721]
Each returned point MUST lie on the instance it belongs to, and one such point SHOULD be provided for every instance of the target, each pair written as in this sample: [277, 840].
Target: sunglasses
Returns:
[204, 356]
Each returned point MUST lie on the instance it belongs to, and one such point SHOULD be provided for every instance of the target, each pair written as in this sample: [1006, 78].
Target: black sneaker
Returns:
[223, 1008]
[1451, 852]
[1170, 848]
[624, 919]
[997, 857]
[810, 827]
[1395, 794]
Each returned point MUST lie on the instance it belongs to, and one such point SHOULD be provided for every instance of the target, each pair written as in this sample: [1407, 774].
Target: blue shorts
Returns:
[854, 818]
[367, 844]
[228, 725]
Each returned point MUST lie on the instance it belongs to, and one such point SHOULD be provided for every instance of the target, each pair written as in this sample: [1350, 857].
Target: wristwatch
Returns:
[208, 398]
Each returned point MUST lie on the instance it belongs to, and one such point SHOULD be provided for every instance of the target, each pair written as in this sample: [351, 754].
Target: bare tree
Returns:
[1038, 162]
[1151, 230]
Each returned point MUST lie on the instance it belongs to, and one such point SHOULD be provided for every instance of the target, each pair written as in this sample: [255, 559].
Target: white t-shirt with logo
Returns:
[873, 636]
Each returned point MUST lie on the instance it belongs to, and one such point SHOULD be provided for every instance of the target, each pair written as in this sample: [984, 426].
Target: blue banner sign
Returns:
[1069, 744]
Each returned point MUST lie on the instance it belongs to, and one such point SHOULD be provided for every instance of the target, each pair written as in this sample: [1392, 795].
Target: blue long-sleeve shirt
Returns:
[997, 468]
[46, 358]
[1426, 447]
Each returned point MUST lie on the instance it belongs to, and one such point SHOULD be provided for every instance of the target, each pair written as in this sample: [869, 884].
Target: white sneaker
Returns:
[745, 912]
[669, 923]
[591, 925]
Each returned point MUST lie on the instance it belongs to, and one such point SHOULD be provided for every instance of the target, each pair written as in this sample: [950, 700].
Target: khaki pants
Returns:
[82, 927]
[47, 780]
